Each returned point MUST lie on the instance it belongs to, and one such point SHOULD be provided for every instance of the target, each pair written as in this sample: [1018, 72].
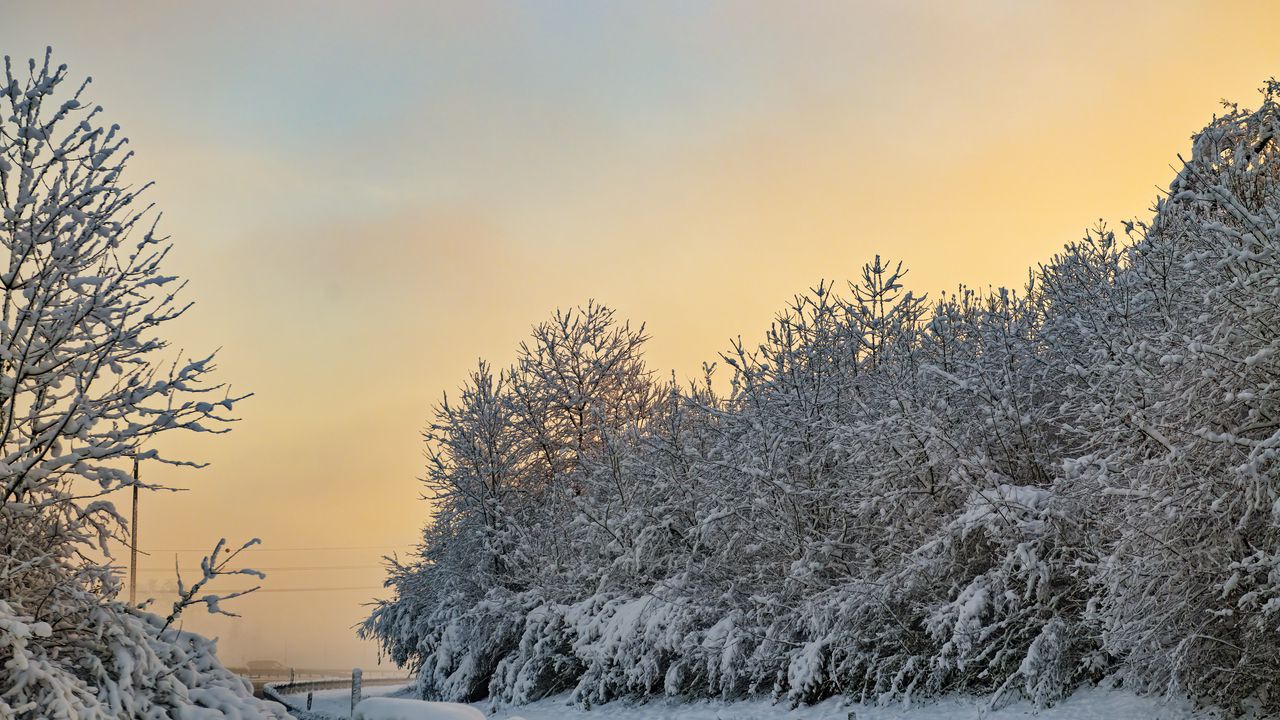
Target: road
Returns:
[309, 675]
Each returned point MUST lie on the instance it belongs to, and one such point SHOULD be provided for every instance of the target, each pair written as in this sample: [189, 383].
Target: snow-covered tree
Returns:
[86, 387]
[1013, 492]
[514, 462]
[1189, 433]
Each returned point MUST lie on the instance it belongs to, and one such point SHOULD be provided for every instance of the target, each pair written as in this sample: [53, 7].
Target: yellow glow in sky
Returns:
[368, 197]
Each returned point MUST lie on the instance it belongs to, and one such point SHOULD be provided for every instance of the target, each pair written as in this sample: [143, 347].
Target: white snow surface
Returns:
[337, 702]
[1089, 704]
[382, 708]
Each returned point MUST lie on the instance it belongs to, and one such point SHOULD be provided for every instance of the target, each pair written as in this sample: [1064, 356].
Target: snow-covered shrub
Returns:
[124, 664]
[543, 663]
[1014, 624]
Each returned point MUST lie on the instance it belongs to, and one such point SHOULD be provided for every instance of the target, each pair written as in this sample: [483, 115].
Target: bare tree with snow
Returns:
[87, 385]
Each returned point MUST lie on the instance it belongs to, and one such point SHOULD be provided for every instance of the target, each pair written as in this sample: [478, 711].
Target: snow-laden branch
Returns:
[88, 384]
[215, 564]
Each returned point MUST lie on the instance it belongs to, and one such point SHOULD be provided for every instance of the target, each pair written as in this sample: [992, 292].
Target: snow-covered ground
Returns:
[337, 702]
[1093, 704]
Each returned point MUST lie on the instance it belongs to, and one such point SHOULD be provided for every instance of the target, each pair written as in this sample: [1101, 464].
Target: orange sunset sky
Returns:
[367, 197]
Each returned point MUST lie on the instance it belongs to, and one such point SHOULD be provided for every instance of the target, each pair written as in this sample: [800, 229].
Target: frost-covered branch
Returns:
[215, 564]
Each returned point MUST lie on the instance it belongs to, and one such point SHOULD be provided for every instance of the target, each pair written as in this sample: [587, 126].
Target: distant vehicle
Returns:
[266, 667]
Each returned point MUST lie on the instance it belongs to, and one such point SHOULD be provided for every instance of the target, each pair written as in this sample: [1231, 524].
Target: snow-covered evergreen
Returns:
[85, 386]
[1007, 492]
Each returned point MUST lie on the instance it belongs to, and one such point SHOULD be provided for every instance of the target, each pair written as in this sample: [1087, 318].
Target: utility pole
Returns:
[133, 540]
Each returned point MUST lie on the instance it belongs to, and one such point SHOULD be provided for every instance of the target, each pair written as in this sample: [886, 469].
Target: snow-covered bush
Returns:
[1007, 492]
[85, 385]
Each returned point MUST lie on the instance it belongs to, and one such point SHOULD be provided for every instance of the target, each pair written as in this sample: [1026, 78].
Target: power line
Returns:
[318, 589]
[286, 590]
[277, 568]
[259, 548]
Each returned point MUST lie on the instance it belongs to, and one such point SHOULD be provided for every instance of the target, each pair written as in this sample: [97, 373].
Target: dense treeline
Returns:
[1009, 492]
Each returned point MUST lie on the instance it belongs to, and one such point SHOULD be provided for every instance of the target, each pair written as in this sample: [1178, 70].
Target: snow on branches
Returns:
[86, 385]
[213, 565]
[1011, 492]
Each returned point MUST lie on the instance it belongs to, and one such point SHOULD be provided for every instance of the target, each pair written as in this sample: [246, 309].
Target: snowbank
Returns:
[401, 709]
[1089, 704]
[330, 703]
